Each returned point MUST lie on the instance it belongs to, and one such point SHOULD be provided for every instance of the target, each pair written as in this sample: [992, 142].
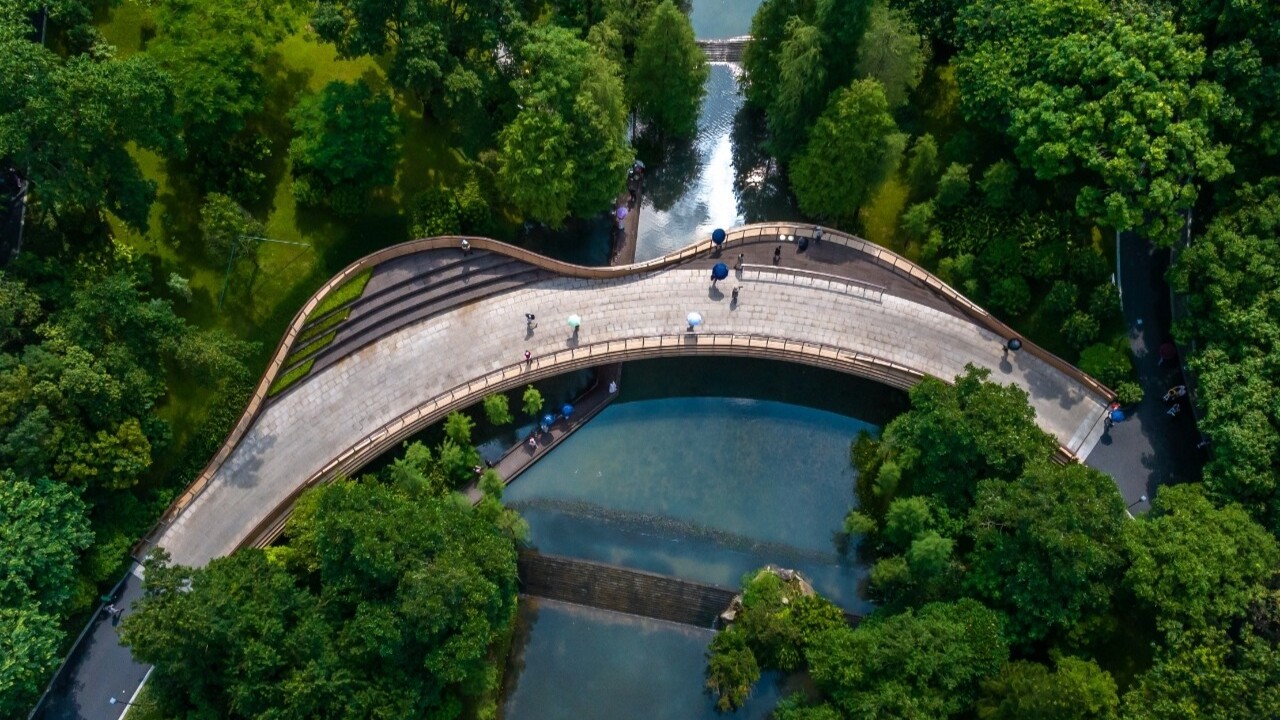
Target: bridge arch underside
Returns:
[344, 416]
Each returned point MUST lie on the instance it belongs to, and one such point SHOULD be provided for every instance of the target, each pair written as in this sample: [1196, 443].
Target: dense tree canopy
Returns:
[1075, 689]
[67, 121]
[388, 602]
[1115, 105]
[668, 80]
[565, 153]
[346, 138]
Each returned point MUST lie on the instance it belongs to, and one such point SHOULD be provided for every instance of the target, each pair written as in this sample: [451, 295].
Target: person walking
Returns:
[528, 358]
[734, 298]
[529, 323]
[741, 259]
[777, 255]
[817, 235]
[466, 246]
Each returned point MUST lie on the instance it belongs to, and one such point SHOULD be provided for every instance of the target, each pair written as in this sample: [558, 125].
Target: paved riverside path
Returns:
[297, 434]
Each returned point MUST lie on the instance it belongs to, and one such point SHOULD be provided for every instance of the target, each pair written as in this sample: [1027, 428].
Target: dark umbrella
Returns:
[717, 236]
[1117, 416]
[720, 271]
[567, 410]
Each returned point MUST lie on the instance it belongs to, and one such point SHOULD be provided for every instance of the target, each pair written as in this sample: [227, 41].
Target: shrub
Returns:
[1061, 298]
[1107, 363]
[1080, 329]
[1128, 392]
[434, 212]
[917, 220]
[307, 192]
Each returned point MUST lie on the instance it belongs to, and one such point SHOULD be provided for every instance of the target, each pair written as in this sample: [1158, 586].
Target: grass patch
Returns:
[326, 324]
[343, 294]
[310, 349]
[145, 706]
[286, 380]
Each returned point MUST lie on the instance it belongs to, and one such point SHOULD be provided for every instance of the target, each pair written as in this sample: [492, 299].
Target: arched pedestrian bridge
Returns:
[436, 329]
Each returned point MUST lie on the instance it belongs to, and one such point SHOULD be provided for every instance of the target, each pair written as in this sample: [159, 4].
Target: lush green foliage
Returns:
[565, 153]
[497, 409]
[1074, 690]
[346, 138]
[852, 147]
[388, 602]
[667, 81]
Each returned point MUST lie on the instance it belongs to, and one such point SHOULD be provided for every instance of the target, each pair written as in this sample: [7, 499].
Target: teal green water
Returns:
[580, 663]
[702, 488]
[716, 19]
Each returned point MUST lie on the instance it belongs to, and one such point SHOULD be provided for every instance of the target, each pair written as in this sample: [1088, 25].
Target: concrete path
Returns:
[297, 434]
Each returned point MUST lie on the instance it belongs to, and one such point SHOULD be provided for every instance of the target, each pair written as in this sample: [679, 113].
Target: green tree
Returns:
[1195, 565]
[918, 220]
[531, 400]
[922, 167]
[915, 665]
[848, 153]
[893, 53]
[216, 52]
[229, 229]
[497, 409]
[565, 153]
[346, 137]
[1048, 549]
[442, 52]
[43, 530]
[29, 644]
[391, 602]
[953, 186]
[668, 78]
[1208, 676]
[1075, 689]
[999, 185]
[802, 89]
[69, 122]
[732, 670]
[1115, 102]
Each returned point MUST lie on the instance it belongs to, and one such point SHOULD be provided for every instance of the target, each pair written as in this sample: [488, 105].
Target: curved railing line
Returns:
[764, 232]
[411, 421]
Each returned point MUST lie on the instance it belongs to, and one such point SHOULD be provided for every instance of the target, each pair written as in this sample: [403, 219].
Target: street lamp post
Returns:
[1141, 499]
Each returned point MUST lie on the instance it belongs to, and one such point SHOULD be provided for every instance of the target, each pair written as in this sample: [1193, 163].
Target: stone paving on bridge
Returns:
[301, 431]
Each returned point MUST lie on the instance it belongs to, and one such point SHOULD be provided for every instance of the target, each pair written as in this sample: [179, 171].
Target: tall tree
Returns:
[391, 603]
[565, 153]
[29, 645]
[346, 137]
[802, 89]
[1209, 676]
[893, 53]
[69, 122]
[1048, 550]
[1075, 689]
[216, 52]
[852, 148]
[917, 665]
[668, 79]
[1197, 566]
[43, 530]
[1116, 105]
[445, 52]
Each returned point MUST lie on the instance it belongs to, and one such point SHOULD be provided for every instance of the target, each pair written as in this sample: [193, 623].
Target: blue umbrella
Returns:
[548, 419]
[720, 271]
[717, 236]
[567, 410]
[1117, 416]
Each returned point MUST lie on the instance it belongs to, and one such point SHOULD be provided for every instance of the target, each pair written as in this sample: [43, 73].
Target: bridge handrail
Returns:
[739, 235]
[790, 274]
[560, 361]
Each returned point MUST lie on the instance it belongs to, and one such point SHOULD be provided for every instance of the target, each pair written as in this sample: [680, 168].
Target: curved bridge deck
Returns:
[843, 304]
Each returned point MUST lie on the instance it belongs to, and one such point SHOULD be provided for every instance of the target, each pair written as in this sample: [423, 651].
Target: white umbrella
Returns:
[574, 321]
[695, 319]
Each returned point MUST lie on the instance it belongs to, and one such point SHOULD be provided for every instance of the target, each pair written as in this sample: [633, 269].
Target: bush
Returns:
[434, 212]
[917, 220]
[1107, 363]
[953, 187]
[1061, 298]
[307, 192]
[1009, 294]
[473, 207]
[1104, 301]
[497, 409]
[1080, 329]
[1128, 392]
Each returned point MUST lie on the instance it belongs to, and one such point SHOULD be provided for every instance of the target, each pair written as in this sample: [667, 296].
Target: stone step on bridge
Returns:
[624, 590]
[726, 50]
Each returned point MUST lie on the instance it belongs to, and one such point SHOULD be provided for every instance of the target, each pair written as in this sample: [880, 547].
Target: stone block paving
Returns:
[297, 435]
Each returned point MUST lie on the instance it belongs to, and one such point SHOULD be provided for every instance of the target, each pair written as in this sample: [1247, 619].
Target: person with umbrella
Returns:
[695, 319]
[575, 322]
[718, 273]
